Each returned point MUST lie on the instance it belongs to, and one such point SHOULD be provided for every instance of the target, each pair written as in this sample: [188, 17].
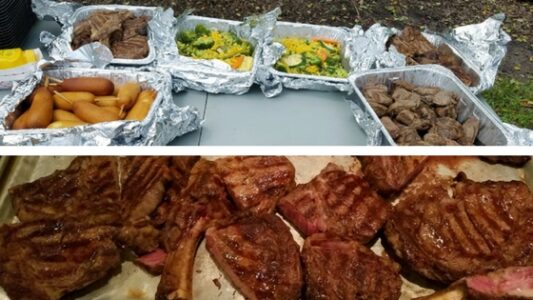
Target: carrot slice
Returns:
[326, 40]
[323, 54]
[236, 62]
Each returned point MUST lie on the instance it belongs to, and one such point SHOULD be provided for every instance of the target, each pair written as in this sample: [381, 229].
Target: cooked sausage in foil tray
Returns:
[296, 228]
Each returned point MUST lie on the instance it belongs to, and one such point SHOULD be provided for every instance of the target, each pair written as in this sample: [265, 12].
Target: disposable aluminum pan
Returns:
[164, 122]
[216, 76]
[491, 132]
[272, 81]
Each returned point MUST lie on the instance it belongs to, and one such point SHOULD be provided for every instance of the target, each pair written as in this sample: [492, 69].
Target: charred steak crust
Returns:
[259, 256]
[337, 203]
[513, 161]
[89, 186]
[390, 174]
[340, 269]
[257, 183]
[481, 227]
[44, 260]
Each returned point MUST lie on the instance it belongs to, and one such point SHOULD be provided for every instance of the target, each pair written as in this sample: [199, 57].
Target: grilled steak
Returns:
[133, 48]
[446, 228]
[390, 174]
[143, 182]
[256, 183]
[513, 161]
[339, 269]
[89, 186]
[337, 203]
[202, 203]
[44, 260]
[509, 283]
[259, 256]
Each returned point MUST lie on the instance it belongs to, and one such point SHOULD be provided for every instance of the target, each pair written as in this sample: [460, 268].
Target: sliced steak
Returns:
[337, 203]
[256, 183]
[259, 256]
[89, 186]
[339, 269]
[44, 260]
[513, 161]
[133, 48]
[509, 283]
[446, 228]
[390, 174]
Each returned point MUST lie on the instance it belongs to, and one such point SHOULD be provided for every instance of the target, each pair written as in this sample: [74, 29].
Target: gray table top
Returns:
[295, 118]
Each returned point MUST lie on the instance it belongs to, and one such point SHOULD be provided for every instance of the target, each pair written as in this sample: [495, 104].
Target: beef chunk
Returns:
[406, 117]
[391, 127]
[447, 111]
[338, 269]
[513, 161]
[443, 98]
[408, 136]
[470, 129]
[448, 128]
[380, 109]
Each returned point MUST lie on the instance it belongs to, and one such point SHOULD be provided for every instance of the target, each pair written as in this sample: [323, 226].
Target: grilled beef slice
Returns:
[509, 283]
[257, 183]
[340, 269]
[513, 161]
[446, 228]
[390, 174]
[202, 203]
[259, 256]
[337, 203]
[44, 260]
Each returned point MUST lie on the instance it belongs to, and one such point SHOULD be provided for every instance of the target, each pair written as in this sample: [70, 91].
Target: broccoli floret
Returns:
[312, 59]
[204, 42]
[187, 37]
[201, 30]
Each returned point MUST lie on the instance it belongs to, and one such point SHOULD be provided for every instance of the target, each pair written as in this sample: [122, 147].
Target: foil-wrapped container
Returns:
[69, 15]
[481, 47]
[272, 81]
[165, 121]
[491, 131]
[215, 76]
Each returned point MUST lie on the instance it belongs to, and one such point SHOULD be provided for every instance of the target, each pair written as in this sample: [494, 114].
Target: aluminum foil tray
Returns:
[215, 76]
[272, 81]
[164, 122]
[134, 283]
[491, 132]
[84, 12]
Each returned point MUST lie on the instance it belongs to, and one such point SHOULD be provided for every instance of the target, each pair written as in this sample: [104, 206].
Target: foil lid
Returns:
[164, 122]
[482, 48]
[69, 14]
[215, 76]
[354, 58]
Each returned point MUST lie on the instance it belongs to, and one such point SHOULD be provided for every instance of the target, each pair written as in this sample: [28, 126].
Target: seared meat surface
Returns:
[337, 203]
[44, 260]
[257, 183]
[446, 228]
[259, 256]
[121, 31]
[509, 283]
[390, 174]
[513, 161]
[202, 203]
[89, 186]
[340, 269]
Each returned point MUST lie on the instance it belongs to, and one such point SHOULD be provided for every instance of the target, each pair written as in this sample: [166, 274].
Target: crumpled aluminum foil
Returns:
[164, 122]
[215, 76]
[273, 81]
[492, 131]
[481, 46]
[98, 55]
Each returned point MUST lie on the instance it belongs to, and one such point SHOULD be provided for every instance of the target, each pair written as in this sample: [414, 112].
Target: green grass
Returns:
[505, 99]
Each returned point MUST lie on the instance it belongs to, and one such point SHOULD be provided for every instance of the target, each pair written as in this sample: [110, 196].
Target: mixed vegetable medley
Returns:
[318, 57]
[202, 43]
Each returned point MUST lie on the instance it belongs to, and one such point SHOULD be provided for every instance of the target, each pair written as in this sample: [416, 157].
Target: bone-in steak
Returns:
[259, 256]
[390, 174]
[89, 186]
[337, 203]
[256, 183]
[340, 269]
[446, 228]
[45, 260]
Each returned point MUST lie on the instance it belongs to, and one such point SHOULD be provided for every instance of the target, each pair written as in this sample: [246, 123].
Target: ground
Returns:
[516, 69]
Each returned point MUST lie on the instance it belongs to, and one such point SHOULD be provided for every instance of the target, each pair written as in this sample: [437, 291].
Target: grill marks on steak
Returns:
[337, 203]
[256, 183]
[259, 256]
[202, 203]
[340, 269]
[390, 174]
[448, 229]
[44, 260]
[88, 187]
